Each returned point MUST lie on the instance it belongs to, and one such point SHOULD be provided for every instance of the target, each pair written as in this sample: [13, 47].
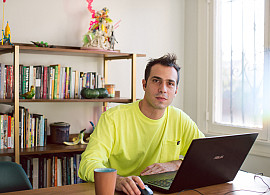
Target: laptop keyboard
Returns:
[162, 182]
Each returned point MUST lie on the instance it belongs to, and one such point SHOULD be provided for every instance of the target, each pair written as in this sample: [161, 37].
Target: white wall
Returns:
[153, 27]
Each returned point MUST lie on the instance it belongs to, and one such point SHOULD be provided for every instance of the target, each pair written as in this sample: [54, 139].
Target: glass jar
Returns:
[111, 90]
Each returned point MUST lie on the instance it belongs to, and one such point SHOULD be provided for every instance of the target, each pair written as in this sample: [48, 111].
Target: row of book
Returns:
[55, 170]
[6, 131]
[50, 82]
[32, 130]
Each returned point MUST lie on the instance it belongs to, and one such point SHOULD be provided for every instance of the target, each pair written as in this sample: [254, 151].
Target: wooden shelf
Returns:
[112, 100]
[66, 50]
[49, 149]
[20, 48]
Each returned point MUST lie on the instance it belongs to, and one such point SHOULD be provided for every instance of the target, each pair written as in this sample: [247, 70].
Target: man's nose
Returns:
[163, 87]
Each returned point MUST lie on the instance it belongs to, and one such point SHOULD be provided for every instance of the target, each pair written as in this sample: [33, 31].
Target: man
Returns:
[144, 137]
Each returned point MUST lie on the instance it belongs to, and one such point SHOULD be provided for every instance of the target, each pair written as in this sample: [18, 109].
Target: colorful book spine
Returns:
[12, 132]
[3, 81]
[1, 132]
[9, 132]
[67, 83]
[45, 82]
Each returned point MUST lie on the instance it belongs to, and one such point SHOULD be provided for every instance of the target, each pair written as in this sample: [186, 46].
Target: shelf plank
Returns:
[49, 149]
[66, 50]
[113, 100]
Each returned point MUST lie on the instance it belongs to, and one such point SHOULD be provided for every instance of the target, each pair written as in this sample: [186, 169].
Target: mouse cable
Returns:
[192, 190]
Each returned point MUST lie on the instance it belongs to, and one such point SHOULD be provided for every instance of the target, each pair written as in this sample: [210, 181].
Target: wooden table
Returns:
[243, 182]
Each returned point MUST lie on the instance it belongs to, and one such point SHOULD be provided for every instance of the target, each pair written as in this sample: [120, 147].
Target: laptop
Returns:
[208, 161]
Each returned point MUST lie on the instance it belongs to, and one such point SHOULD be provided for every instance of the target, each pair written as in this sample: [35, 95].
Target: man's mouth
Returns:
[161, 98]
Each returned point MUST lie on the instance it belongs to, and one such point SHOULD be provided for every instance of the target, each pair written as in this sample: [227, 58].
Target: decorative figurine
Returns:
[77, 140]
[100, 33]
[30, 94]
[6, 33]
[42, 44]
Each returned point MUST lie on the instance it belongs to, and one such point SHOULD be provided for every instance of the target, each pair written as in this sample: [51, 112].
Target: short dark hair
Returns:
[166, 60]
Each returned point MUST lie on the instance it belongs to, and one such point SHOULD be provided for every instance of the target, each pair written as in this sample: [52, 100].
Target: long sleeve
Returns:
[98, 149]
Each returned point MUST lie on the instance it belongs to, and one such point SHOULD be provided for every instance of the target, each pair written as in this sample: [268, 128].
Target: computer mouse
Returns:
[146, 191]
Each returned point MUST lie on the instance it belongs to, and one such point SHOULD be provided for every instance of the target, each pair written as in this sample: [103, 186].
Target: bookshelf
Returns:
[107, 56]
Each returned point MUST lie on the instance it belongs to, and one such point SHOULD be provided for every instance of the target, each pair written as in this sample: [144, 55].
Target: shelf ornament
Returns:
[30, 94]
[77, 140]
[101, 31]
[6, 33]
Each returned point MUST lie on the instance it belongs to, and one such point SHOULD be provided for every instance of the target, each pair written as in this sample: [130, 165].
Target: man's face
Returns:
[161, 86]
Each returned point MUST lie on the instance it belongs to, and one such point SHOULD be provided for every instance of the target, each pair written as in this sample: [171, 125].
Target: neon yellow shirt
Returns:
[128, 141]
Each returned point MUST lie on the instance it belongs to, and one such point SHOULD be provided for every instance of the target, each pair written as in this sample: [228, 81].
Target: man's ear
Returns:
[144, 84]
[176, 90]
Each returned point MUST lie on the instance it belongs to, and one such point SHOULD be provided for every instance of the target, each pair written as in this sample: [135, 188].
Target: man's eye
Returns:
[155, 80]
[171, 84]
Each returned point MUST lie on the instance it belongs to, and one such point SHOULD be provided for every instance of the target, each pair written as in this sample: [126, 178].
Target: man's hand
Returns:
[162, 167]
[128, 184]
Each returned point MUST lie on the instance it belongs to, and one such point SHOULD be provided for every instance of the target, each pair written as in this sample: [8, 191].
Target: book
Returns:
[57, 70]
[67, 83]
[9, 81]
[64, 171]
[75, 169]
[71, 170]
[59, 172]
[31, 77]
[38, 81]
[27, 72]
[49, 172]
[1, 132]
[55, 170]
[45, 82]
[35, 173]
[72, 85]
[44, 185]
[76, 84]
[21, 126]
[41, 173]
[3, 81]
[9, 132]
[12, 132]
[5, 131]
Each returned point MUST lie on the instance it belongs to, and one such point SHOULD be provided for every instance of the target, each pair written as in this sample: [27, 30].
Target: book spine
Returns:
[45, 71]
[59, 172]
[49, 172]
[12, 132]
[34, 80]
[64, 166]
[55, 171]
[1, 132]
[27, 72]
[33, 131]
[72, 85]
[76, 86]
[3, 79]
[41, 173]
[31, 78]
[35, 170]
[67, 83]
[55, 82]
[9, 132]
[38, 82]
[8, 90]
[48, 83]
[71, 170]
[41, 81]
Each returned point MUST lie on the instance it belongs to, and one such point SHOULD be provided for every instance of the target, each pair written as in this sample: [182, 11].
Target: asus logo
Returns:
[218, 157]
